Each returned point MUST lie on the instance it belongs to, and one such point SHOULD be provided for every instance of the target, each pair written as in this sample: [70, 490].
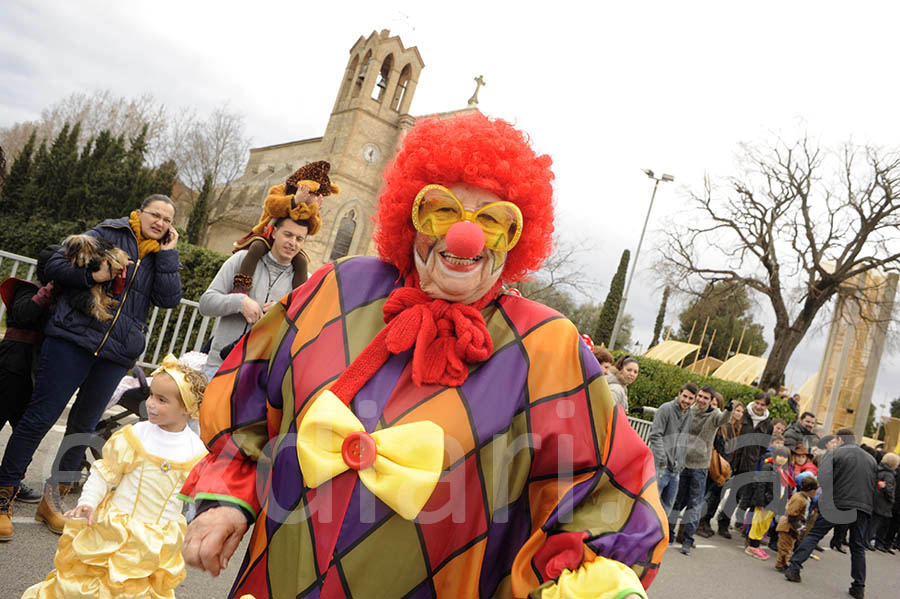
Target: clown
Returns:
[404, 426]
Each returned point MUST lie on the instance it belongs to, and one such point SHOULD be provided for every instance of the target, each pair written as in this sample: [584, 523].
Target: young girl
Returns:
[769, 480]
[124, 538]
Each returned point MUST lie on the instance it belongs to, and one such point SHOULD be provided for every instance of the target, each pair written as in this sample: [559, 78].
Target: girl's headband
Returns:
[172, 367]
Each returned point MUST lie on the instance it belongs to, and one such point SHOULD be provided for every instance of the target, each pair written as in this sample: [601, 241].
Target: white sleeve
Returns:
[94, 490]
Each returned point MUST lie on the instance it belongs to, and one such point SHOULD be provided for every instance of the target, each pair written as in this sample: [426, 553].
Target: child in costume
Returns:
[772, 476]
[796, 520]
[282, 201]
[124, 538]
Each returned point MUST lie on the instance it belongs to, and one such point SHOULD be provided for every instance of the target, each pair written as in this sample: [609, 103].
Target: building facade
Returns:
[369, 118]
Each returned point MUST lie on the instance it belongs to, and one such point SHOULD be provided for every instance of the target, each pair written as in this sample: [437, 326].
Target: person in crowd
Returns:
[348, 426]
[669, 443]
[724, 444]
[124, 537]
[768, 486]
[802, 432]
[883, 506]
[848, 480]
[892, 536]
[705, 421]
[623, 374]
[778, 427]
[754, 438]
[800, 460]
[606, 360]
[274, 276]
[28, 305]
[81, 353]
[792, 524]
[794, 403]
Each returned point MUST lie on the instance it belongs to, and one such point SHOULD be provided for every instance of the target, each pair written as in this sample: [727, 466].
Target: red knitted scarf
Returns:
[445, 338]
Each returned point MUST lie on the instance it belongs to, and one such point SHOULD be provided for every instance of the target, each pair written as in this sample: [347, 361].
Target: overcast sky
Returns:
[605, 90]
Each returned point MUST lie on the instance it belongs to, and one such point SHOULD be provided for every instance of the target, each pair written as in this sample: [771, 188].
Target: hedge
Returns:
[659, 382]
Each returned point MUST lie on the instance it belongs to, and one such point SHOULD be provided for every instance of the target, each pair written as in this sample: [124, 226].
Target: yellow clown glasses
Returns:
[436, 209]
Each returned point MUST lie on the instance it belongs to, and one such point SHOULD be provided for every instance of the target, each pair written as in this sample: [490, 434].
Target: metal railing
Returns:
[189, 332]
[641, 427]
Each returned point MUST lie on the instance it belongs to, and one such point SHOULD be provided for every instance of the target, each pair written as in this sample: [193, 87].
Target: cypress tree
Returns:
[13, 192]
[660, 317]
[607, 319]
[197, 223]
[32, 201]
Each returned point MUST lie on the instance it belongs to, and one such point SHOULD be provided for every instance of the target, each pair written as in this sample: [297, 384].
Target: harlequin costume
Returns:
[133, 547]
[456, 451]
[281, 203]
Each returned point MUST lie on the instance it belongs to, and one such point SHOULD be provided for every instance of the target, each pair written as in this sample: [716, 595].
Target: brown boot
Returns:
[50, 511]
[7, 496]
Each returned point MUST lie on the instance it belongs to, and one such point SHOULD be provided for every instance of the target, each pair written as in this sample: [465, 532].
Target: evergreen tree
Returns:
[197, 223]
[660, 317]
[32, 195]
[62, 163]
[163, 179]
[607, 319]
[729, 310]
[895, 408]
[19, 175]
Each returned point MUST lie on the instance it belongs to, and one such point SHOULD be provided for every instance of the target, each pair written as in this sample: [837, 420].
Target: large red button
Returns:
[358, 450]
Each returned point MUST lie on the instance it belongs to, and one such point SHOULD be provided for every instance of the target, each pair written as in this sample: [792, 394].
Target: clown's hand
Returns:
[600, 579]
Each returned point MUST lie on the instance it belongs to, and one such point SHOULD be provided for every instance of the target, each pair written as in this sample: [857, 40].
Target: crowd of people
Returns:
[771, 482]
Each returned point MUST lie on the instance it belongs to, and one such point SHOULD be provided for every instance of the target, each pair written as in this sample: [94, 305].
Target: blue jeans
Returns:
[691, 489]
[857, 547]
[667, 481]
[63, 368]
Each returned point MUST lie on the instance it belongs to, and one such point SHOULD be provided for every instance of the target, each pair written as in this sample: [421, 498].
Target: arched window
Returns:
[401, 88]
[344, 236]
[383, 76]
[348, 82]
[360, 79]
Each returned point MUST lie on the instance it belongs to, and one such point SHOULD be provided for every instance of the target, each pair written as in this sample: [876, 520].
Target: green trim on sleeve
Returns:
[226, 499]
[625, 593]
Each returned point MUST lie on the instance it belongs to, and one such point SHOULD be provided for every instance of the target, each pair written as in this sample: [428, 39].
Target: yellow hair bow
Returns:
[400, 465]
[171, 366]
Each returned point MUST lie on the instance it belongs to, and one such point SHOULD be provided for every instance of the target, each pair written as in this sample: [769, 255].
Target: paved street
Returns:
[717, 569]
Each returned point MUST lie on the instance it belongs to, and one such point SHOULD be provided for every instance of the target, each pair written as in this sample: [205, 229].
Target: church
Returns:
[370, 116]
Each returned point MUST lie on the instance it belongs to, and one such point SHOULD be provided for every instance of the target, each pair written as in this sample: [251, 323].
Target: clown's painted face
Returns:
[443, 275]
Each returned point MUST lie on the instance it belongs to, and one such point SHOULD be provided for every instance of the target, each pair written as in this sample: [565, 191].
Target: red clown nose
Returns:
[465, 239]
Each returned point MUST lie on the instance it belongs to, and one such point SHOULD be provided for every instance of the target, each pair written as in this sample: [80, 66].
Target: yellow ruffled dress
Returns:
[133, 548]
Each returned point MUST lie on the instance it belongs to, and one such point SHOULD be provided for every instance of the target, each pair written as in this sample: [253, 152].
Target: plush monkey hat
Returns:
[280, 202]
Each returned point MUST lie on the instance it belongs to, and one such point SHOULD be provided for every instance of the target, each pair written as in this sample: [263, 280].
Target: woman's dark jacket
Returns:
[153, 279]
[884, 496]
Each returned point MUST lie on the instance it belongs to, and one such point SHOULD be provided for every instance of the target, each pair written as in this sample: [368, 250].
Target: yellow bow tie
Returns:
[400, 465]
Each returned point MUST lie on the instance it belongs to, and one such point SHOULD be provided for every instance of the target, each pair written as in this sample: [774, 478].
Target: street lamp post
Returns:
[621, 312]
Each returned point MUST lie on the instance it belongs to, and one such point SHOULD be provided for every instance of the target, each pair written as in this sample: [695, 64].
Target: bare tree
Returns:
[215, 147]
[799, 226]
[97, 111]
[563, 272]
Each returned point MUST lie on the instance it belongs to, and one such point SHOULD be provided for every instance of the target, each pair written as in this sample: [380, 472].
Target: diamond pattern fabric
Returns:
[534, 446]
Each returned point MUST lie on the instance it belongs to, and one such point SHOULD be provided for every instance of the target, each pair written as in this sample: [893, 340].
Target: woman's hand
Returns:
[171, 241]
[82, 511]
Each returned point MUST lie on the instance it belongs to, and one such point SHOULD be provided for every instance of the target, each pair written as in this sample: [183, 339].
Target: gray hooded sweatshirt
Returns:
[669, 436]
[703, 432]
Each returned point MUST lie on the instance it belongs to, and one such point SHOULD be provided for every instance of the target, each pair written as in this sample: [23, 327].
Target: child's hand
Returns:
[82, 511]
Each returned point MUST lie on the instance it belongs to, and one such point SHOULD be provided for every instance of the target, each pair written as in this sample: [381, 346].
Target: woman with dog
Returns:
[83, 353]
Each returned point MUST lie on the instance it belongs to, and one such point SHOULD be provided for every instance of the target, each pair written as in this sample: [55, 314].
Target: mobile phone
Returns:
[166, 236]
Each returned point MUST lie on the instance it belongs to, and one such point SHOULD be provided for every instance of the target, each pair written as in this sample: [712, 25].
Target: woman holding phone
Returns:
[81, 353]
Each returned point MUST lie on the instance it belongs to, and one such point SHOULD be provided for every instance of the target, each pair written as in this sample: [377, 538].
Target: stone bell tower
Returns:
[370, 114]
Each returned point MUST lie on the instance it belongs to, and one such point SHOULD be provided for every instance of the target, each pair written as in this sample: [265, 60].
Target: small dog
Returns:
[89, 252]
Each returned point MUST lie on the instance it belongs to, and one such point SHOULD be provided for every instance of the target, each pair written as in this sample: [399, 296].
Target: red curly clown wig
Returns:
[473, 149]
